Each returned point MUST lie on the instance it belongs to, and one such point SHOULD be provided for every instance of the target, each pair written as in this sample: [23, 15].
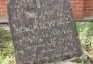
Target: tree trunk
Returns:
[43, 31]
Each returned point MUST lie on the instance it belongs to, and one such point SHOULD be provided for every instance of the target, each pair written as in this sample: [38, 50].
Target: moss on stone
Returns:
[77, 60]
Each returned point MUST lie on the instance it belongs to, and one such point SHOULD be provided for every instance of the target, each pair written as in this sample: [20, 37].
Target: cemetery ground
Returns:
[85, 30]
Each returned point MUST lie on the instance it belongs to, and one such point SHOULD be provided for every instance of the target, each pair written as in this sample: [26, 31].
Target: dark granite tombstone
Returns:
[43, 31]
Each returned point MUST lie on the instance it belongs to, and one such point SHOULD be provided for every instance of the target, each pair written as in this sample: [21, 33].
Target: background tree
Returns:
[43, 31]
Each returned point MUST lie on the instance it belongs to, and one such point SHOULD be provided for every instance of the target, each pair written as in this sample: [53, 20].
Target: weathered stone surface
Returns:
[64, 62]
[43, 31]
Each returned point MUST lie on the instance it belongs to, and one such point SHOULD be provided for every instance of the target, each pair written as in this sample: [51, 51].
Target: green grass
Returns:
[6, 48]
[85, 30]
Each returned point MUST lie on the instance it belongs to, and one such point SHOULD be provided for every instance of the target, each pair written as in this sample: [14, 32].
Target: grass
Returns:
[6, 48]
[85, 30]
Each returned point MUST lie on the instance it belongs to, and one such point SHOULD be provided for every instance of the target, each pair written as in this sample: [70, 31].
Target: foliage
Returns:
[6, 48]
[85, 30]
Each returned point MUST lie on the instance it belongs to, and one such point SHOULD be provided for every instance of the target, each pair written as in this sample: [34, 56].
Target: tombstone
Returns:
[43, 31]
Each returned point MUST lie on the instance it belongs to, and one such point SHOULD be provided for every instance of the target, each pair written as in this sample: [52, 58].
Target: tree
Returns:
[43, 31]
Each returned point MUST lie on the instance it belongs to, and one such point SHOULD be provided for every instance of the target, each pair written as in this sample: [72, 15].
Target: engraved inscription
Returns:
[43, 31]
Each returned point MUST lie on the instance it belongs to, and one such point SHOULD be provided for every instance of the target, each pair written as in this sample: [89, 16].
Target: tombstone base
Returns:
[65, 62]
[69, 61]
